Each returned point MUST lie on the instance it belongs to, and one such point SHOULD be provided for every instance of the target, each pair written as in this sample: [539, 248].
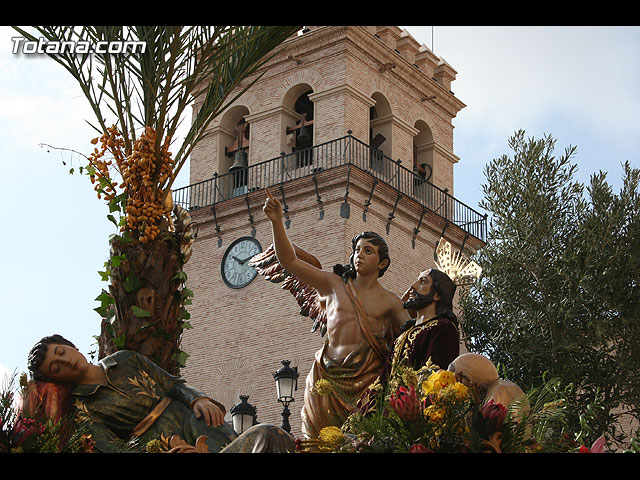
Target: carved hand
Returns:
[272, 207]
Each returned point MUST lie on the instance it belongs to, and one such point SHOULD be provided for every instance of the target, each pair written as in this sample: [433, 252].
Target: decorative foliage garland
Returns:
[428, 411]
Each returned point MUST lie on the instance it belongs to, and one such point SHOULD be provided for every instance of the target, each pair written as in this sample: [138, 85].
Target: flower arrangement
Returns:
[428, 411]
[22, 433]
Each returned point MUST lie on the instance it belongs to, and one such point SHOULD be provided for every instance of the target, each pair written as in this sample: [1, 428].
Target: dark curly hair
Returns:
[346, 271]
[39, 352]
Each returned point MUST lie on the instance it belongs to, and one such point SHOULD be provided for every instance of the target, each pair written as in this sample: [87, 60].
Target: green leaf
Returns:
[160, 333]
[116, 203]
[105, 300]
[139, 312]
[180, 276]
[181, 358]
[132, 283]
[120, 340]
[117, 260]
[112, 219]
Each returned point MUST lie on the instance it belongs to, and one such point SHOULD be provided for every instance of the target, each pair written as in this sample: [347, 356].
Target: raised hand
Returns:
[272, 207]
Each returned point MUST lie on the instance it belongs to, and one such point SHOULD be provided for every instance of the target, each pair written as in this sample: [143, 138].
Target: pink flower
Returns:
[405, 403]
[596, 447]
[25, 428]
[494, 411]
[419, 448]
[490, 418]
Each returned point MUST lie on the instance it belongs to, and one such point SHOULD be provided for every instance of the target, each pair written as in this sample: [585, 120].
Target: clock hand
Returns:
[241, 262]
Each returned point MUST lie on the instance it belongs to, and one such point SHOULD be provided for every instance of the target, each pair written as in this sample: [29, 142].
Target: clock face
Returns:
[236, 271]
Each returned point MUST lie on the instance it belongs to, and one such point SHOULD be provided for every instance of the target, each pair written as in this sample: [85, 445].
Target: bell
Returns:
[240, 161]
[304, 136]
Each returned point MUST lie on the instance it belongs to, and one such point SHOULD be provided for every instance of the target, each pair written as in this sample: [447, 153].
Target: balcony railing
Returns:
[347, 150]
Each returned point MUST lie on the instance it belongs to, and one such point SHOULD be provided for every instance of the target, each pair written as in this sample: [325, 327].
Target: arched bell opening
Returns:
[300, 136]
[236, 150]
[380, 131]
[423, 145]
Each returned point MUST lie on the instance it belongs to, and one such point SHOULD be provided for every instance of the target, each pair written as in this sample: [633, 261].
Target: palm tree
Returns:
[145, 88]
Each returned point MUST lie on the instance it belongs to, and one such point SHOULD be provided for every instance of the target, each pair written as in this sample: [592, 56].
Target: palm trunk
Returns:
[149, 298]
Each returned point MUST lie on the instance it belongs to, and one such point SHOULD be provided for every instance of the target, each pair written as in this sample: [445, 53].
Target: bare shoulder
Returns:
[389, 297]
[394, 307]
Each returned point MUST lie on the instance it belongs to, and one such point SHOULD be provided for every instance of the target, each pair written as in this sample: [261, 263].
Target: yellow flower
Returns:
[437, 380]
[331, 437]
[460, 390]
[435, 413]
[154, 446]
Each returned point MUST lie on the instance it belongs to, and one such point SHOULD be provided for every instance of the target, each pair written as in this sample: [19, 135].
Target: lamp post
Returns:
[286, 383]
[243, 415]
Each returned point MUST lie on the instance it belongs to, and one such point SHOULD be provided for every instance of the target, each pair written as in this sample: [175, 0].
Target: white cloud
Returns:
[510, 76]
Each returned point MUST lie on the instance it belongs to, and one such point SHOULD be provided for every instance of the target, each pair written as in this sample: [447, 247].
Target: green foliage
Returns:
[561, 272]
[21, 434]
[438, 414]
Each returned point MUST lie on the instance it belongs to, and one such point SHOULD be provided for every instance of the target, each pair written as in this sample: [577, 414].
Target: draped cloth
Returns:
[347, 379]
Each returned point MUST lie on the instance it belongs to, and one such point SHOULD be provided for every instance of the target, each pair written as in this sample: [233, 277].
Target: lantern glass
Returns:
[285, 387]
[242, 422]
[243, 415]
[286, 382]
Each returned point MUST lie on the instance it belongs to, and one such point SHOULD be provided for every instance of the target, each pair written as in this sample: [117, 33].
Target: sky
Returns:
[580, 85]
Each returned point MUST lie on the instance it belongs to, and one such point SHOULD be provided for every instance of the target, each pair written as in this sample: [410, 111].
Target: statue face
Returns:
[421, 293]
[366, 258]
[63, 363]
[424, 283]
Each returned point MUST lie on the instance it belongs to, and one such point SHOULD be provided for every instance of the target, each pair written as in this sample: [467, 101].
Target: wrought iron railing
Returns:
[347, 150]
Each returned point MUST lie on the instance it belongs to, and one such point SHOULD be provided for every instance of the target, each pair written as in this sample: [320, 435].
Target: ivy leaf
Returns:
[115, 203]
[117, 260]
[180, 276]
[132, 283]
[139, 312]
[120, 340]
[181, 358]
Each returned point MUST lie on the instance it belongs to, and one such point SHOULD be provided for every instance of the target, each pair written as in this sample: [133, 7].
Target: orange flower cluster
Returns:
[143, 172]
[112, 142]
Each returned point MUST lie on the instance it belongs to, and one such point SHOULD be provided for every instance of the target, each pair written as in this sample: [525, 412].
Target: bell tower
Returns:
[351, 127]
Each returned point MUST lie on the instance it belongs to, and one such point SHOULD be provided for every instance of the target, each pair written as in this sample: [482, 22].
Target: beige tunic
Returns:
[348, 380]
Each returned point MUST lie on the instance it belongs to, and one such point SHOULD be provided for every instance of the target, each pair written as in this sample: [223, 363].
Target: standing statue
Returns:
[360, 317]
[433, 334]
[128, 397]
[431, 337]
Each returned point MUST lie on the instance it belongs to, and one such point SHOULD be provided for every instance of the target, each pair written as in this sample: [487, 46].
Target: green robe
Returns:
[135, 385]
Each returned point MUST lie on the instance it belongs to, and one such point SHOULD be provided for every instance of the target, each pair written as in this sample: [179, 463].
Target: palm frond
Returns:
[154, 86]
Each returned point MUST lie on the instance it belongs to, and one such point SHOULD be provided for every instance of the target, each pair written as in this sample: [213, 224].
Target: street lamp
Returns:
[243, 415]
[286, 383]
